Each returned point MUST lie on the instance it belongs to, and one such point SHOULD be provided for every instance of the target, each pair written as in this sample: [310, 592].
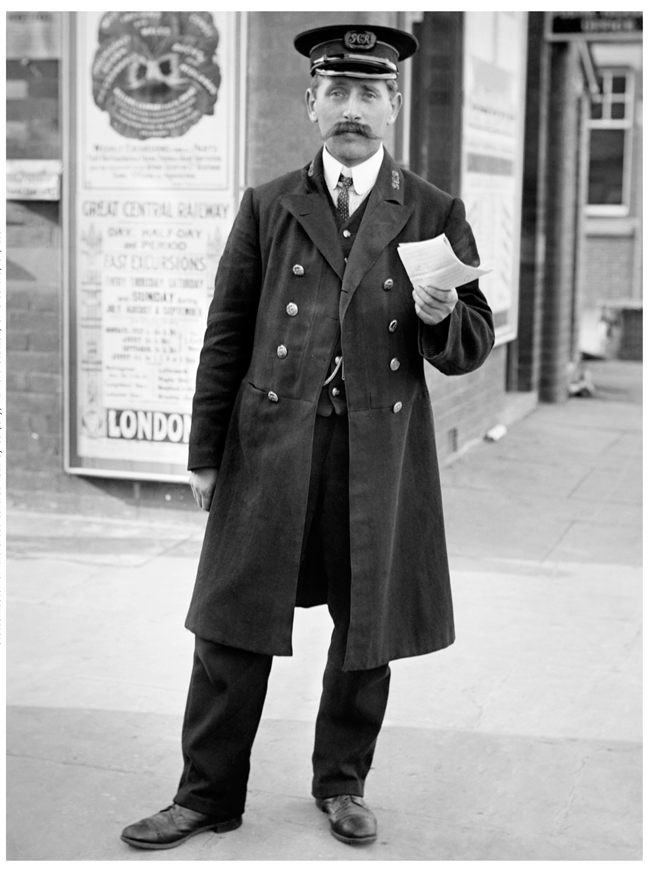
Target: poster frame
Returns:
[509, 331]
[75, 464]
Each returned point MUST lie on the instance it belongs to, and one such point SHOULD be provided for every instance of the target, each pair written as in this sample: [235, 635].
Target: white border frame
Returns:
[68, 121]
[509, 331]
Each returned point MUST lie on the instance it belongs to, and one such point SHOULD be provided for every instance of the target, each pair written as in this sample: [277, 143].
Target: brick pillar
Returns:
[561, 195]
[436, 113]
[531, 274]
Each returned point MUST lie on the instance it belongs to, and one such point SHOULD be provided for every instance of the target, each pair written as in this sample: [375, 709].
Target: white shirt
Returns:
[364, 176]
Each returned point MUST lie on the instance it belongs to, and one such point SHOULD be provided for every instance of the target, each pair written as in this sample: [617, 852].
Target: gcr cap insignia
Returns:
[359, 40]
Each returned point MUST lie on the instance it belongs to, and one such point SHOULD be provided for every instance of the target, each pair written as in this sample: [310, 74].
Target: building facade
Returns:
[556, 220]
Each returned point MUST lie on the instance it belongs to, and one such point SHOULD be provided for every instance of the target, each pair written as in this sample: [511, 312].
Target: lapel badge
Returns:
[395, 182]
[310, 171]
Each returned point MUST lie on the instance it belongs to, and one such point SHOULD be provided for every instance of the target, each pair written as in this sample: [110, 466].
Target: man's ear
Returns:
[397, 105]
[310, 100]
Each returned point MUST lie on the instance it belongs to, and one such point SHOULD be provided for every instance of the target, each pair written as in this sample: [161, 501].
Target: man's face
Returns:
[352, 115]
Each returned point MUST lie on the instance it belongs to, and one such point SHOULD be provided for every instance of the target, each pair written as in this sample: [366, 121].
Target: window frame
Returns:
[626, 124]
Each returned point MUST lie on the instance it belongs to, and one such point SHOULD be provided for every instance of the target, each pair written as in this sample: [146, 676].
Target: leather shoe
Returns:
[351, 820]
[172, 826]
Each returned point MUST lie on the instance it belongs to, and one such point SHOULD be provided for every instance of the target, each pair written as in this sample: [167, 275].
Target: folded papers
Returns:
[433, 262]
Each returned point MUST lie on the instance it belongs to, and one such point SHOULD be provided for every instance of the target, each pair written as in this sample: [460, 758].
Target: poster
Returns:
[494, 80]
[156, 191]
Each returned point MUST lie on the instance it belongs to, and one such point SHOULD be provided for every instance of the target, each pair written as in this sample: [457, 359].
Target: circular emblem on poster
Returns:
[155, 73]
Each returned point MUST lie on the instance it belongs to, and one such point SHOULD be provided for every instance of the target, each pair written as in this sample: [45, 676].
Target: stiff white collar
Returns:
[364, 175]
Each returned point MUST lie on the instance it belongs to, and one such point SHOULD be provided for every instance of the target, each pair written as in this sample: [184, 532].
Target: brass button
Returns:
[388, 284]
[298, 270]
[395, 364]
[292, 309]
[397, 407]
[274, 397]
[282, 351]
[335, 392]
[347, 234]
[392, 326]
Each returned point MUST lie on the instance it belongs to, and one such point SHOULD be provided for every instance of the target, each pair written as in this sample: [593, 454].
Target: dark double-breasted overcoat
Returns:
[283, 281]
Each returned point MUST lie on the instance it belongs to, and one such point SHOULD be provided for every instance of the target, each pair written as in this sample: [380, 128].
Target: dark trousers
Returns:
[228, 685]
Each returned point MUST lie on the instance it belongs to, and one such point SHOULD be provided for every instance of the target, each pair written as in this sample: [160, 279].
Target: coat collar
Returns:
[386, 214]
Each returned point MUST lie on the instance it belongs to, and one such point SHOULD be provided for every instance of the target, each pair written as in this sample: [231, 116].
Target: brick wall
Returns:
[34, 377]
[608, 269]
[466, 407]
[33, 129]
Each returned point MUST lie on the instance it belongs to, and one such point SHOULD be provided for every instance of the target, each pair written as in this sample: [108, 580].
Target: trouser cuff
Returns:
[337, 789]
[187, 800]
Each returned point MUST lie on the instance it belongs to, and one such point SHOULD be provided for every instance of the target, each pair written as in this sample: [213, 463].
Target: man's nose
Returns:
[353, 109]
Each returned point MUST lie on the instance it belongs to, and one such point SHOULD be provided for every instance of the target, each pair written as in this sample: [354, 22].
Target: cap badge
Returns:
[356, 40]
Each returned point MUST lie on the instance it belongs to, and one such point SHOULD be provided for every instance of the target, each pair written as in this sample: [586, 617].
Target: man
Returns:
[312, 445]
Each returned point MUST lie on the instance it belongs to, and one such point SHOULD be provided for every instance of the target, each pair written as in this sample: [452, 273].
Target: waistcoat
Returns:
[332, 397]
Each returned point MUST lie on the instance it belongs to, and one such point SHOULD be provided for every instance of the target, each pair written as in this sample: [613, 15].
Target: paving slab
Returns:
[602, 542]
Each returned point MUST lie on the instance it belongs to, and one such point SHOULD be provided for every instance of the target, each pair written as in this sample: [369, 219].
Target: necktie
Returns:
[343, 202]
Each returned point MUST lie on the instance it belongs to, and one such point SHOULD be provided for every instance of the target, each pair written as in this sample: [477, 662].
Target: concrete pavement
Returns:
[520, 742]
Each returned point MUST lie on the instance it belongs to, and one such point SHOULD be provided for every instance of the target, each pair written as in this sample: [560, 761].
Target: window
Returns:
[609, 144]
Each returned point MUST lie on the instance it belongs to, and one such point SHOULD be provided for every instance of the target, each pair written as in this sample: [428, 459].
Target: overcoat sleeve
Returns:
[462, 341]
[228, 341]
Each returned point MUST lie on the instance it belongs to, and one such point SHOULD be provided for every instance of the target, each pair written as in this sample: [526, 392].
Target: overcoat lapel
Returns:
[385, 216]
[312, 211]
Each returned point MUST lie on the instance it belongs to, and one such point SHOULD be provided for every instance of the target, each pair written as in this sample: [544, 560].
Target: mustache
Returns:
[350, 127]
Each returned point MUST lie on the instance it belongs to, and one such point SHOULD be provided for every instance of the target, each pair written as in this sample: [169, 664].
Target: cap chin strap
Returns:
[349, 74]
[385, 69]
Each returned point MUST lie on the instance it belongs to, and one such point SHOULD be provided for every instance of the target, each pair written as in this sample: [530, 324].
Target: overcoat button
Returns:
[397, 407]
[298, 270]
[347, 234]
[282, 351]
[273, 396]
[388, 284]
[392, 326]
[395, 364]
[335, 392]
[292, 309]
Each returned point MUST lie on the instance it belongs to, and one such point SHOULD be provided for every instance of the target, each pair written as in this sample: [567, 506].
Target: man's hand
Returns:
[432, 305]
[202, 482]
